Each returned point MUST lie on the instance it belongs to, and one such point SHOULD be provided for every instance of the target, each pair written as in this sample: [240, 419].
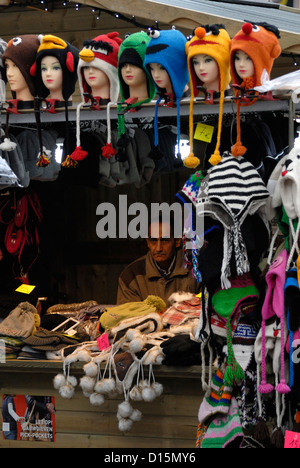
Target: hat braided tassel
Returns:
[238, 149]
[233, 372]
[216, 156]
[191, 161]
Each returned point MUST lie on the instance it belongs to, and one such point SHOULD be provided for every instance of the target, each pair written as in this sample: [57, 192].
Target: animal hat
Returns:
[68, 57]
[168, 49]
[212, 40]
[260, 42]
[100, 52]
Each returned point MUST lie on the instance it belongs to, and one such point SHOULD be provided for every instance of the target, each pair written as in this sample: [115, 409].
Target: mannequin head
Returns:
[208, 54]
[133, 77]
[207, 71]
[243, 64]
[16, 81]
[136, 80]
[98, 67]
[18, 58]
[52, 76]
[98, 81]
[161, 77]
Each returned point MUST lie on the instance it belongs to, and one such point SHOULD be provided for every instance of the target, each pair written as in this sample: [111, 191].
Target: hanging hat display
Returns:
[212, 40]
[167, 48]
[102, 53]
[260, 42]
[67, 55]
[132, 50]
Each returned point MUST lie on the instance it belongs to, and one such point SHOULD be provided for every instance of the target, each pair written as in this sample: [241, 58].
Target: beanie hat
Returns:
[274, 306]
[168, 49]
[132, 50]
[22, 51]
[213, 41]
[260, 42]
[20, 322]
[100, 52]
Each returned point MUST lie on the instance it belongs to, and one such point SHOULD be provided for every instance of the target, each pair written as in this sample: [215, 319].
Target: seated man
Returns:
[161, 272]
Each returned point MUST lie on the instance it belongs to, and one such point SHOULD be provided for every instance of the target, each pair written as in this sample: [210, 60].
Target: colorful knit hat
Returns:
[214, 41]
[22, 51]
[68, 57]
[274, 306]
[132, 50]
[260, 42]
[100, 52]
[168, 49]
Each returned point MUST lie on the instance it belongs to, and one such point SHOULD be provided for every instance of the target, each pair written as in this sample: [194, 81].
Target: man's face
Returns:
[162, 244]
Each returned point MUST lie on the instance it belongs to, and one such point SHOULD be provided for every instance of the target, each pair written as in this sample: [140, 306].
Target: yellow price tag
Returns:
[25, 288]
[204, 132]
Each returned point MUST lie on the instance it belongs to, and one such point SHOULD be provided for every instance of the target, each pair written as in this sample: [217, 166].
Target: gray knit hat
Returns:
[20, 323]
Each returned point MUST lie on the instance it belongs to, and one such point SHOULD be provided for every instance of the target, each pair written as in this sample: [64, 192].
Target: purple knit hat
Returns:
[274, 305]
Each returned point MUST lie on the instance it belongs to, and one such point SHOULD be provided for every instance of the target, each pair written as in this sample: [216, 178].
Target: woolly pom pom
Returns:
[156, 154]
[136, 345]
[105, 386]
[215, 158]
[191, 161]
[96, 399]
[87, 384]
[148, 394]
[261, 431]
[125, 409]
[238, 149]
[8, 145]
[136, 415]
[90, 369]
[83, 356]
[78, 154]
[58, 381]
[157, 302]
[70, 163]
[277, 438]
[67, 391]
[247, 28]
[136, 393]
[43, 160]
[125, 424]
[71, 380]
[108, 151]
[158, 388]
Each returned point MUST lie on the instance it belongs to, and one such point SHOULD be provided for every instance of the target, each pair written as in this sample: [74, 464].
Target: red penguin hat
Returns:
[260, 42]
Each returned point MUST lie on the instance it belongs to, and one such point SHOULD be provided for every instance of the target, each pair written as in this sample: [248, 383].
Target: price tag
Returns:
[291, 439]
[103, 342]
[25, 288]
[204, 132]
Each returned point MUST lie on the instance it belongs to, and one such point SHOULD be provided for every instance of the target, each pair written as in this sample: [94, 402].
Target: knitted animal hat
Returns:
[68, 57]
[22, 51]
[260, 42]
[213, 41]
[100, 52]
[274, 306]
[132, 50]
[168, 49]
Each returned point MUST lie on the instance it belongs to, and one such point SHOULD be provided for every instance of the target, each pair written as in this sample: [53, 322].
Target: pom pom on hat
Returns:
[191, 161]
[78, 154]
[8, 145]
[108, 151]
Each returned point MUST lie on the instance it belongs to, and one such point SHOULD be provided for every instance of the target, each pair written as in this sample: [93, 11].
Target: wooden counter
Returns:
[170, 421]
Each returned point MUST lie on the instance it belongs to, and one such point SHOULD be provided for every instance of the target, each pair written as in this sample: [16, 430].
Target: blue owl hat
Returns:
[168, 49]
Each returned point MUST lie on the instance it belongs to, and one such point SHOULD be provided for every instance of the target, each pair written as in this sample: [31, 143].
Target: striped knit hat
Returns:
[236, 187]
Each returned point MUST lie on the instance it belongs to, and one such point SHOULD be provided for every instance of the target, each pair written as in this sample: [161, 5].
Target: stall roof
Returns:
[189, 13]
